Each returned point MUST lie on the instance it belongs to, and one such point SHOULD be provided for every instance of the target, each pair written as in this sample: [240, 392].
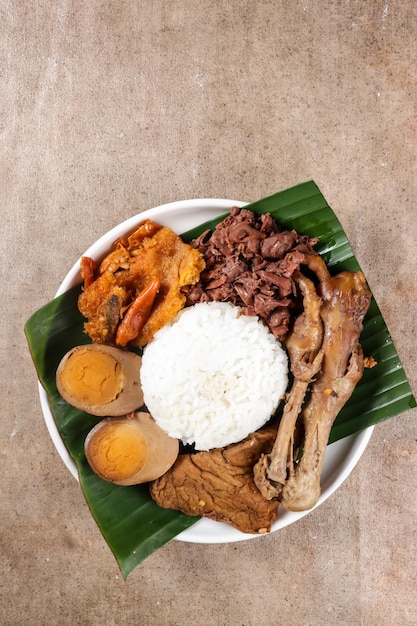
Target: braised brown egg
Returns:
[130, 450]
[101, 380]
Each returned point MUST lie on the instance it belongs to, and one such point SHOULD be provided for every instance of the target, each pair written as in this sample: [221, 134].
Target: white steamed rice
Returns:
[212, 375]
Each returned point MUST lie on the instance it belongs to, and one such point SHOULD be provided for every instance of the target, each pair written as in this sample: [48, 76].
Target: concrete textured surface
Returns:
[110, 108]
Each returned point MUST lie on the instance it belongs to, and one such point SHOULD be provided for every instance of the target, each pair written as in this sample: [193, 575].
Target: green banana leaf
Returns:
[131, 523]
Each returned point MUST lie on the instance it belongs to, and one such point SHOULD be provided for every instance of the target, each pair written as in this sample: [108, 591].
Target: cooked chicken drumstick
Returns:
[345, 300]
[303, 346]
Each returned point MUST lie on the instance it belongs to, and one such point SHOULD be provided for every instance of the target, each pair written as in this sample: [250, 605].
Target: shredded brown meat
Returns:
[251, 263]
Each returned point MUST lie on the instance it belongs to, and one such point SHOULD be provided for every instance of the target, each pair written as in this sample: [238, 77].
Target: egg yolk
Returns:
[94, 378]
[117, 451]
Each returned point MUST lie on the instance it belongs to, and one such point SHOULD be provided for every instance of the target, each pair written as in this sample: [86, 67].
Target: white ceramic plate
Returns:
[341, 456]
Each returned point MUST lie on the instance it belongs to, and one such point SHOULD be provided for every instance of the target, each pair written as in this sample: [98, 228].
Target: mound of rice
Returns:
[212, 375]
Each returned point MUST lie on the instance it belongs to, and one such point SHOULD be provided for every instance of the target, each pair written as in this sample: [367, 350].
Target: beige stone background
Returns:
[109, 108]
